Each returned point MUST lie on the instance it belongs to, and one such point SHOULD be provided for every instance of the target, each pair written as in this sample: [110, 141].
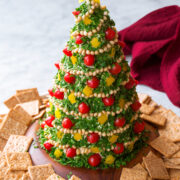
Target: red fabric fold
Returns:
[154, 42]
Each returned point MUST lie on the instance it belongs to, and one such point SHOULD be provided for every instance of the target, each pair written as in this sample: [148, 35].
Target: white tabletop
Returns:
[33, 34]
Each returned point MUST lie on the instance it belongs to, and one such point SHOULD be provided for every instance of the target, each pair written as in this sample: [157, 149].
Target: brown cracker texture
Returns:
[55, 177]
[164, 146]
[11, 102]
[41, 172]
[18, 161]
[2, 143]
[10, 126]
[3, 165]
[17, 143]
[133, 174]
[19, 114]
[155, 166]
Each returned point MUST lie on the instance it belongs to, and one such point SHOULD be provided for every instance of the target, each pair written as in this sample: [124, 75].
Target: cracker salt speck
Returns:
[18, 143]
[41, 172]
[18, 161]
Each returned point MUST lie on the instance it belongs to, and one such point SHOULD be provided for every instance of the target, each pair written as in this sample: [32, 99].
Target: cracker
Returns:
[155, 166]
[41, 172]
[144, 98]
[18, 161]
[133, 174]
[28, 95]
[170, 165]
[12, 102]
[3, 165]
[2, 143]
[73, 177]
[19, 91]
[18, 143]
[14, 175]
[174, 160]
[174, 173]
[164, 146]
[10, 126]
[139, 167]
[146, 109]
[172, 132]
[26, 176]
[55, 177]
[19, 114]
[31, 107]
[159, 109]
[40, 115]
[155, 119]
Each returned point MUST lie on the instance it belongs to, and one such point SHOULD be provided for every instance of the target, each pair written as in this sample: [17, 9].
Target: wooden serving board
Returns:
[39, 156]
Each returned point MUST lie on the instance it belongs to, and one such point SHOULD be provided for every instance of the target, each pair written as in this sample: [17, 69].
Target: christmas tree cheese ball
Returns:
[92, 119]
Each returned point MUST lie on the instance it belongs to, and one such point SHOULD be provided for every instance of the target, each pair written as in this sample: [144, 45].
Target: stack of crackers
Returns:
[163, 162]
[25, 107]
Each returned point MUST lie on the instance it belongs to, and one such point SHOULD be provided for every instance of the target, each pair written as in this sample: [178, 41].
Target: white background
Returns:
[33, 34]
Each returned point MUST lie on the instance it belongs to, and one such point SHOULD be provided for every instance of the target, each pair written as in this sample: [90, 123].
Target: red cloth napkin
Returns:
[154, 42]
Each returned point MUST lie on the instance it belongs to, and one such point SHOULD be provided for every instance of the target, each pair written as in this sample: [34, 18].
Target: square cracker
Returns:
[3, 165]
[55, 177]
[28, 95]
[146, 109]
[164, 146]
[18, 161]
[10, 126]
[41, 172]
[139, 167]
[11, 102]
[18, 143]
[73, 177]
[156, 119]
[26, 176]
[31, 107]
[2, 143]
[170, 165]
[172, 132]
[14, 175]
[155, 166]
[133, 174]
[19, 114]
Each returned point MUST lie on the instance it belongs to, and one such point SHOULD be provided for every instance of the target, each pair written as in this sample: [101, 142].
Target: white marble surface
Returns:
[33, 34]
